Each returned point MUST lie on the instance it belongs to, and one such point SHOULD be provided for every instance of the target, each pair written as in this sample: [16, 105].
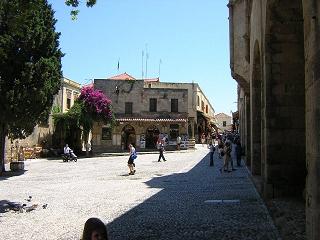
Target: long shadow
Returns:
[8, 174]
[189, 207]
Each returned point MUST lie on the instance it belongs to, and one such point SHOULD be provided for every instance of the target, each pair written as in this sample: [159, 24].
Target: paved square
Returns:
[165, 200]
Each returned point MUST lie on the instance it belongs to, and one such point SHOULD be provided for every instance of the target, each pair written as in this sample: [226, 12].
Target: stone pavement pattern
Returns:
[164, 200]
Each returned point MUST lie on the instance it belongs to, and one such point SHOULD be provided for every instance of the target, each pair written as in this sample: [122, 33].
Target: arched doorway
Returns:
[128, 136]
[152, 135]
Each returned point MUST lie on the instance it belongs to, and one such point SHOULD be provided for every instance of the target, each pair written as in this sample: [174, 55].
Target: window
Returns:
[174, 105]
[202, 105]
[69, 94]
[106, 133]
[198, 101]
[75, 96]
[224, 123]
[128, 108]
[206, 108]
[153, 104]
[174, 131]
[68, 103]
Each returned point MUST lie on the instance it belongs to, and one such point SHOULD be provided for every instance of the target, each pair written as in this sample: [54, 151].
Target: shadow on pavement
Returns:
[9, 174]
[181, 210]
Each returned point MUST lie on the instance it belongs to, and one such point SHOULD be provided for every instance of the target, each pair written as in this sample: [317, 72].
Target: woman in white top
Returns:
[132, 156]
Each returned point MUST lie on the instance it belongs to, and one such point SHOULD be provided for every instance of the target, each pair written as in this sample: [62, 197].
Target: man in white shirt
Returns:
[68, 151]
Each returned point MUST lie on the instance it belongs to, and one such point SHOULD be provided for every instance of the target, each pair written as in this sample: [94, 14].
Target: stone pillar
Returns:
[191, 139]
[255, 130]
[247, 131]
[312, 75]
[285, 100]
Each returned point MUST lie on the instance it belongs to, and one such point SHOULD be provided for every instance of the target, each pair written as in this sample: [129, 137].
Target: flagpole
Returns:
[142, 63]
[160, 67]
[147, 56]
[118, 67]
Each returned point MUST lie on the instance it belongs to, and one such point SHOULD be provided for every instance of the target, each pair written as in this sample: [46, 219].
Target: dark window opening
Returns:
[153, 104]
[68, 103]
[174, 132]
[174, 105]
[128, 108]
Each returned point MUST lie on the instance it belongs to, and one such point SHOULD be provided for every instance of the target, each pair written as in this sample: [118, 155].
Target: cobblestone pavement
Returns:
[182, 198]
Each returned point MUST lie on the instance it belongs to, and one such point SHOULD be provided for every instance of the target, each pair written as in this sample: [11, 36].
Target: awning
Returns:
[182, 120]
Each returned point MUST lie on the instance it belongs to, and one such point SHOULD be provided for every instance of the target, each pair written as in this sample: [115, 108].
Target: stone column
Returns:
[312, 75]
[255, 110]
[247, 131]
[191, 138]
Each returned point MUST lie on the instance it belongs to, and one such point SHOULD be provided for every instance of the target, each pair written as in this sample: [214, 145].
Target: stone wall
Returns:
[312, 90]
[280, 111]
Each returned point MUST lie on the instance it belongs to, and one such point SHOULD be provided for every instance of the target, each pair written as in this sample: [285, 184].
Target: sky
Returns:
[189, 37]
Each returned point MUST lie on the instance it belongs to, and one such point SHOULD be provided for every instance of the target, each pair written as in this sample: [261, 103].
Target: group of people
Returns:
[224, 145]
[133, 155]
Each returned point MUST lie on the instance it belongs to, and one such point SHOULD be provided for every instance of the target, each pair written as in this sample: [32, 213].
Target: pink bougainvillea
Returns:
[96, 102]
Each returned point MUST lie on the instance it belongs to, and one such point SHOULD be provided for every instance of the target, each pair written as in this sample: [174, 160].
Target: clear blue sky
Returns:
[191, 37]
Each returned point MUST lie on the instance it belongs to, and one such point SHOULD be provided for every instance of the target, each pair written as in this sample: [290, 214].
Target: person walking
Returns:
[220, 148]
[161, 150]
[238, 152]
[203, 139]
[212, 150]
[178, 143]
[132, 156]
[227, 158]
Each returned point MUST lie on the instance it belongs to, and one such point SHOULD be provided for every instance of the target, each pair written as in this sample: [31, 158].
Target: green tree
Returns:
[30, 67]
[75, 4]
[91, 106]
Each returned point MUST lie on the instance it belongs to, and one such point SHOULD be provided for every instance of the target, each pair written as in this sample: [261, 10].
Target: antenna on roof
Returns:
[160, 62]
[147, 57]
[142, 64]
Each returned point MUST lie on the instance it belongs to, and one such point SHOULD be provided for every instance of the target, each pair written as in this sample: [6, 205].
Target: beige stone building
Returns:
[274, 48]
[200, 110]
[223, 122]
[42, 134]
[146, 109]
[69, 92]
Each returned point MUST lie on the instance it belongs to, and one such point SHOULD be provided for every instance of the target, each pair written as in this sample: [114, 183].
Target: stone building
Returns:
[148, 108]
[142, 114]
[42, 133]
[68, 93]
[200, 110]
[274, 47]
[224, 122]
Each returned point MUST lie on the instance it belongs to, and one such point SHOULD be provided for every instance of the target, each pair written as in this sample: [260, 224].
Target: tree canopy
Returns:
[30, 66]
[75, 4]
[92, 105]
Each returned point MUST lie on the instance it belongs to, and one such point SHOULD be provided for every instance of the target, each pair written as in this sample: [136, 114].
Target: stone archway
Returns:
[256, 91]
[152, 135]
[285, 97]
[128, 136]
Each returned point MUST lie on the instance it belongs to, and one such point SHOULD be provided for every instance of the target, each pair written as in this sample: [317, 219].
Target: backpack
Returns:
[134, 155]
